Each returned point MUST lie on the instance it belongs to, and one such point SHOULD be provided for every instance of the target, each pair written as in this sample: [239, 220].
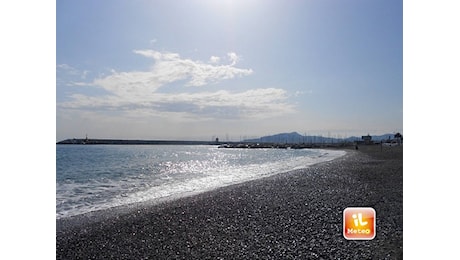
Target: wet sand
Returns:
[296, 215]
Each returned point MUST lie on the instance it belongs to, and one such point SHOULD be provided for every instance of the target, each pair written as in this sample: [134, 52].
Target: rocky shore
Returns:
[296, 215]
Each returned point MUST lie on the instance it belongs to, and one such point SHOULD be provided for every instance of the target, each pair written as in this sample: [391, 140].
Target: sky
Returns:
[199, 69]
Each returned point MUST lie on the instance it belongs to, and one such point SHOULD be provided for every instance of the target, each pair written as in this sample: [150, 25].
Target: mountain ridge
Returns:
[294, 137]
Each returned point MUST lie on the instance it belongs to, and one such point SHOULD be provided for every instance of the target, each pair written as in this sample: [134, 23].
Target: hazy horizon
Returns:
[231, 138]
[198, 69]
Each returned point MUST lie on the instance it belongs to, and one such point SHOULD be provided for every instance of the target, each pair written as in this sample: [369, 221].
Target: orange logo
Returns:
[359, 223]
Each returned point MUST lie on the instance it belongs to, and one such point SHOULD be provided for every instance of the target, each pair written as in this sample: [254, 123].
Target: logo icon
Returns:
[359, 223]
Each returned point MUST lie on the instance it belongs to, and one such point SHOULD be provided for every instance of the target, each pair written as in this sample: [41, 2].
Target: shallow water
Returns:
[94, 177]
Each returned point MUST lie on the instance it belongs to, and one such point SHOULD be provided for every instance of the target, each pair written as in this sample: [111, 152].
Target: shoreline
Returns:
[292, 215]
[123, 206]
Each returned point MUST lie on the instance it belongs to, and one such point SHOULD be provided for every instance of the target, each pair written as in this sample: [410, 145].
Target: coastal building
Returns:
[367, 139]
[398, 137]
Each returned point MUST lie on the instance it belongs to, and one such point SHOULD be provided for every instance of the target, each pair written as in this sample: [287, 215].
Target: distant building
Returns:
[367, 139]
[398, 138]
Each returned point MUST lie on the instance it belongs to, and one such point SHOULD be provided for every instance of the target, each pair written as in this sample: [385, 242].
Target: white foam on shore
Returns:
[200, 177]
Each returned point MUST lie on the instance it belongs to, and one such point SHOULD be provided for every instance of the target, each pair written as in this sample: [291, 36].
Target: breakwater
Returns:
[249, 145]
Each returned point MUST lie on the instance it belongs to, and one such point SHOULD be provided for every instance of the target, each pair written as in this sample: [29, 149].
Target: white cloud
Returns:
[67, 69]
[170, 67]
[255, 103]
[136, 93]
[79, 83]
[130, 85]
[214, 59]
[84, 74]
[233, 58]
[302, 92]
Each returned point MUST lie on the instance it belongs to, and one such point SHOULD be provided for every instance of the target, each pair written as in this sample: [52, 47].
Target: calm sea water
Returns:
[94, 177]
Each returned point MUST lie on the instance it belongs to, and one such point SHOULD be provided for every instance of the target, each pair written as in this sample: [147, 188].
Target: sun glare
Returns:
[229, 5]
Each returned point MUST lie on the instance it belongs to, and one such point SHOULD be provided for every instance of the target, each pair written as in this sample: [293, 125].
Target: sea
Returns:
[97, 177]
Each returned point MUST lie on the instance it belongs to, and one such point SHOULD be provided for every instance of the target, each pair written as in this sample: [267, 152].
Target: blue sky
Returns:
[229, 69]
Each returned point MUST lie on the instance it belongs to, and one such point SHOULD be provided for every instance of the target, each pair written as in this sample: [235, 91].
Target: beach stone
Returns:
[295, 215]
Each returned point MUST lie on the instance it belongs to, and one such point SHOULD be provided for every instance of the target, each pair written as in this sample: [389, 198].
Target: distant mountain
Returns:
[295, 137]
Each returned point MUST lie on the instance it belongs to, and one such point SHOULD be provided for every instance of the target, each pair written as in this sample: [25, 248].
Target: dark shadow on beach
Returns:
[295, 215]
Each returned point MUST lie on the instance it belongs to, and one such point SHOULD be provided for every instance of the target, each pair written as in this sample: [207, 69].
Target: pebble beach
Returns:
[294, 215]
